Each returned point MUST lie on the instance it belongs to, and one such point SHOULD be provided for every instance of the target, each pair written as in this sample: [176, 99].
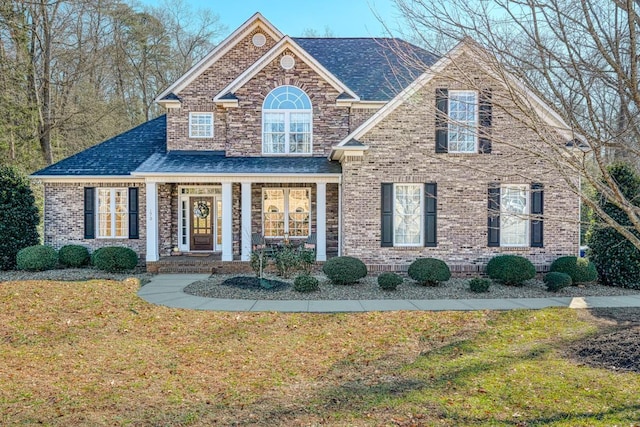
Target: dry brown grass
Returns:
[93, 353]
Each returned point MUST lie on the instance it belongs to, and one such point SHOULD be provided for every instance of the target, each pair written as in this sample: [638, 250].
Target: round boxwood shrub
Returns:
[305, 283]
[556, 280]
[389, 281]
[73, 255]
[478, 284]
[510, 269]
[114, 258]
[429, 271]
[580, 269]
[37, 258]
[344, 270]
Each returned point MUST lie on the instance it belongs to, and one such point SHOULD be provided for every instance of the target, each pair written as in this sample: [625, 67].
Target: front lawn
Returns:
[93, 353]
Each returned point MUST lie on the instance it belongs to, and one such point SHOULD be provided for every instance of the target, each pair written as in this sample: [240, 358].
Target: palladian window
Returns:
[286, 122]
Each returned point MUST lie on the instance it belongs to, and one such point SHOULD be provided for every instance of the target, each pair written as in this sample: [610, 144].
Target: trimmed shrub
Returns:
[114, 258]
[581, 270]
[344, 270]
[429, 271]
[37, 258]
[556, 280]
[389, 281]
[616, 259]
[305, 283]
[479, 285]
[510, 269]
[73, 255]
[287, 260]
[307, 259]
[18, 216]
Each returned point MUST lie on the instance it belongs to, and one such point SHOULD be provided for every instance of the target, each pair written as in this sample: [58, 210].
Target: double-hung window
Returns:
[409, 214]
[286, 212]
[287, 122]
[463, 121]
[200, 125]
[514, 215]
[112, 213]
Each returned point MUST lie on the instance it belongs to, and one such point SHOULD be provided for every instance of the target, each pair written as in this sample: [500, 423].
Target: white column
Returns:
[227, 222]
[246, 221]
[152, 222]
[321, 221]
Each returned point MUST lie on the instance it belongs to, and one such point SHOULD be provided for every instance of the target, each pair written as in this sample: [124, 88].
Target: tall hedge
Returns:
[18, 216]
[615, 258]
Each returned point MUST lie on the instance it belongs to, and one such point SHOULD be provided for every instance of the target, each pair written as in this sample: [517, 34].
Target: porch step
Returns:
[210, 264]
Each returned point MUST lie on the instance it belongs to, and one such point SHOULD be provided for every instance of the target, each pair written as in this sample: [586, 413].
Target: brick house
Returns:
[340, 139]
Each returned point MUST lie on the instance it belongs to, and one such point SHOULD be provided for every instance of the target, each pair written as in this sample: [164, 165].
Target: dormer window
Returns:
[286, 122]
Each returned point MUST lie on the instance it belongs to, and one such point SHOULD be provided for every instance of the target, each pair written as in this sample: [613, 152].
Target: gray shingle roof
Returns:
[118, 156]
[214, 162]
[375, 69]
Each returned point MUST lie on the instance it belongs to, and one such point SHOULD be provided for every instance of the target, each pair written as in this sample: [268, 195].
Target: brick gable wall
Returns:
[403, 150]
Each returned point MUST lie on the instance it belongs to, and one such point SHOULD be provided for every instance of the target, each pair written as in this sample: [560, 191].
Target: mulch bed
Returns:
[255, 283]
[615, 347]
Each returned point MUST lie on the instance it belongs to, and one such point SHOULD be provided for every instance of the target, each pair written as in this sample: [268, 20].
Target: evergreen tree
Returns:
[616, 258]
[18, 216]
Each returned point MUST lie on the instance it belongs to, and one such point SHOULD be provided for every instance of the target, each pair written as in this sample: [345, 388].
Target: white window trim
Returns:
[477, 121]
[421, 242]
[527, 233]
[200, 113]
[287, 132]
[286, 211]
[112, 209]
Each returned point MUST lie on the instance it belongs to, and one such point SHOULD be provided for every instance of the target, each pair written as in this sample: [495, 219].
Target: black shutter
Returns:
[386, 220]
[493, 218]
[430, 214]
[133, 213]
[484, 116]
[89, 213]
[442, 117]
[537, 209]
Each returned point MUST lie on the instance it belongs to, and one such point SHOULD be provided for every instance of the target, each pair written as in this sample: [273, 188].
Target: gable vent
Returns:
[259, 40]
[287, 62]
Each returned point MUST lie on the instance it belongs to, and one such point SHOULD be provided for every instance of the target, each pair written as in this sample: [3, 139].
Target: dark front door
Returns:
[201, 223]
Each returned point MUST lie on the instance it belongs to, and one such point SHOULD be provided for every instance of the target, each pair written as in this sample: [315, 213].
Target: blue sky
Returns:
[344, 18]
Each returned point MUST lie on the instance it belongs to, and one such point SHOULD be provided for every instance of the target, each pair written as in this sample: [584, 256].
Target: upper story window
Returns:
[200, 125]
[463, 121]
[286, 122]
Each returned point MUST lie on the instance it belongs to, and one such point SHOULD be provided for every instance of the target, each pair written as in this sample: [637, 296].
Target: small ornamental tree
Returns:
[18, 216]
[616, 258]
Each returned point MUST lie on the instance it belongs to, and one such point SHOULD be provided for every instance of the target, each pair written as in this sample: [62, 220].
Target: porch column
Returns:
[321, 221]
[246, 221]
[227, 222]
[152, 222]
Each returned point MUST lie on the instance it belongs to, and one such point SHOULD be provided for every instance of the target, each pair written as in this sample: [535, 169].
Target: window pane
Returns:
[514, 221]
[300, 133]
[407, 218]
[121, 226]
[273, 212]
[462, 121]
[201, 125]
[104, 212]
[299, 207]
[274, 135]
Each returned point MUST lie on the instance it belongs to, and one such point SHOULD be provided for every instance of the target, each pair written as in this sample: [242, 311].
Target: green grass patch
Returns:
[93, 353]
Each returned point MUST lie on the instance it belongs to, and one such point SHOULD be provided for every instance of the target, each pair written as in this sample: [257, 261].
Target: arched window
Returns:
[286, 121]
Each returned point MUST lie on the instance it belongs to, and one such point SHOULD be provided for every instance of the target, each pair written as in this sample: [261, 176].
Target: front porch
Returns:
[216, 219]
[210, 263]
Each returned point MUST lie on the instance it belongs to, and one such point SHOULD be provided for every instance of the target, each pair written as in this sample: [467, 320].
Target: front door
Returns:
[202, 221]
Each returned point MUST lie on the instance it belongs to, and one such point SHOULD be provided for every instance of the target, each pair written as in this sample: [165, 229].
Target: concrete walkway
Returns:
[166, 289]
